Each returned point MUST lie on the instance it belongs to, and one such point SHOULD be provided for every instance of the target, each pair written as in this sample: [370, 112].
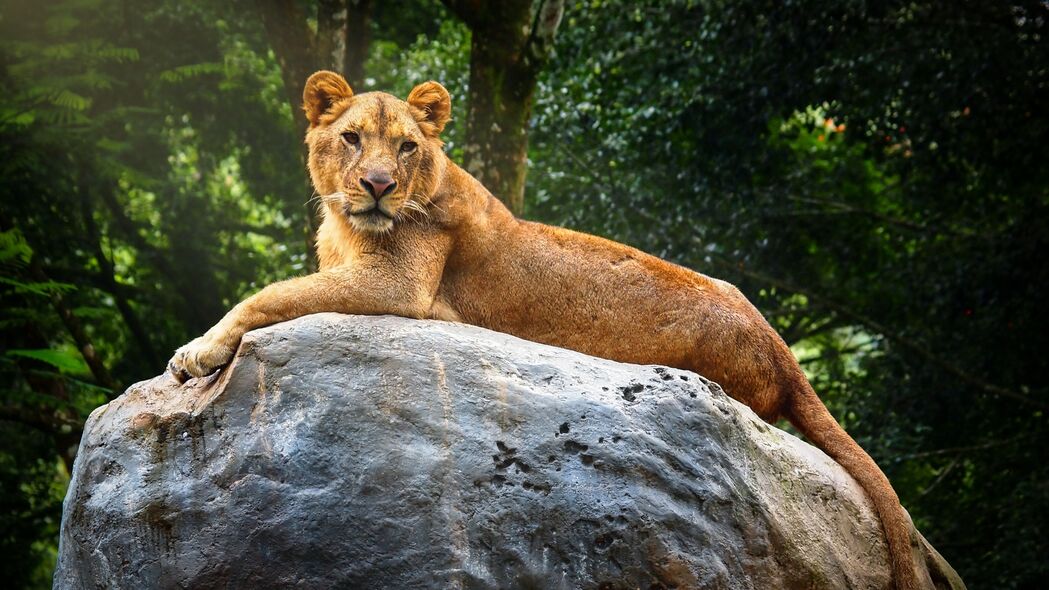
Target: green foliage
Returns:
[444, 56]
[66, 361]
[871, 174]
[150, 178]
[32, 483]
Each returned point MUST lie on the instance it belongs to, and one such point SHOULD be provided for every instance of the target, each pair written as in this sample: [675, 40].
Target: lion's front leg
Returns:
[214, 350]
[345, 291]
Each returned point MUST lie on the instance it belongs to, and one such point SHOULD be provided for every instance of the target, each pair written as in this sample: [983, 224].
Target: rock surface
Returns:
[379, 452]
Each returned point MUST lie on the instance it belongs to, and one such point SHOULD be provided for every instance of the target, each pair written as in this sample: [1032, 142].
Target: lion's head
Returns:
[374, 157]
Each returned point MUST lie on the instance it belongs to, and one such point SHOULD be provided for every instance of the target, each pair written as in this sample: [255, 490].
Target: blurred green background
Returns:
[873, 175]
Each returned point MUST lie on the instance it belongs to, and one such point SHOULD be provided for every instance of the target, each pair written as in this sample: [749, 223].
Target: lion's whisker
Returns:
[438, 207]
[412, 205]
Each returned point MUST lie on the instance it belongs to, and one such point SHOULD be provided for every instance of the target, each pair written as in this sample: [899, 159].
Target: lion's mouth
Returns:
[373, 212]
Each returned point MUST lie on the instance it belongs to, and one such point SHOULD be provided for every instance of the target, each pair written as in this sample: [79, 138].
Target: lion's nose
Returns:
[378, 185]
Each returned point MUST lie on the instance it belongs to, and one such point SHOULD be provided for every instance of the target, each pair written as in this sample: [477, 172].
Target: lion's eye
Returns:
[408, 147]
[351, 138]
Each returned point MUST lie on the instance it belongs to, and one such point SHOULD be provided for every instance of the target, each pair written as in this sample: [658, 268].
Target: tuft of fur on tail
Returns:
[808, 414]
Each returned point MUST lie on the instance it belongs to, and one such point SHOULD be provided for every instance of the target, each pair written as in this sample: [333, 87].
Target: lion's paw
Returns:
[199, 358]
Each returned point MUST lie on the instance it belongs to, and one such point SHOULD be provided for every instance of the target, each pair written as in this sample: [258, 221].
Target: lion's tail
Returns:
[812, 418]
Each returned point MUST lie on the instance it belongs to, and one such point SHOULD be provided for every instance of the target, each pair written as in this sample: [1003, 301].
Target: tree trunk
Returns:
[510, 45]
[340, 44]
[294, 45]
[498, 107]
[331, 33]
[358, 40]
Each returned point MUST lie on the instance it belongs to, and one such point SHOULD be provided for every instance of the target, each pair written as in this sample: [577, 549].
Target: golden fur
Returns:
[441, 246]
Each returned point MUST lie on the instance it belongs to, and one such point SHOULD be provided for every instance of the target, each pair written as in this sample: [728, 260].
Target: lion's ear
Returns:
[431, 106]
[323, 89]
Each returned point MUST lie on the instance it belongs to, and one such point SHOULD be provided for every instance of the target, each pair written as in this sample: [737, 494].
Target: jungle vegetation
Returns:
[873, 175]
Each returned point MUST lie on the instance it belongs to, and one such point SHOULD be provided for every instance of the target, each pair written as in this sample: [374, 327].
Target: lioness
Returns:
[408, 232]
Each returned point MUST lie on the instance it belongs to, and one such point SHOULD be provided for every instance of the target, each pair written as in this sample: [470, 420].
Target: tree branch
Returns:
[939, 479]
[64, 430]
[544, 28]
[108, 276]
[49, 423]
[294, 45]
[958, 450]
[846, 208]
[76, 330]
[82, 276]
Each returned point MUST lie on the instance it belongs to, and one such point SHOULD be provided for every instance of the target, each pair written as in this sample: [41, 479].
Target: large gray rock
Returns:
[378, 452]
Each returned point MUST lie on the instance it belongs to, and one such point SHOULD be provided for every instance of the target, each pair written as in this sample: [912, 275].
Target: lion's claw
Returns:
[180, 374]
[199, 358]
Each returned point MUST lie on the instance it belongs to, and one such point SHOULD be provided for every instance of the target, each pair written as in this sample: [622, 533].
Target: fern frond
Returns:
[180, 73]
